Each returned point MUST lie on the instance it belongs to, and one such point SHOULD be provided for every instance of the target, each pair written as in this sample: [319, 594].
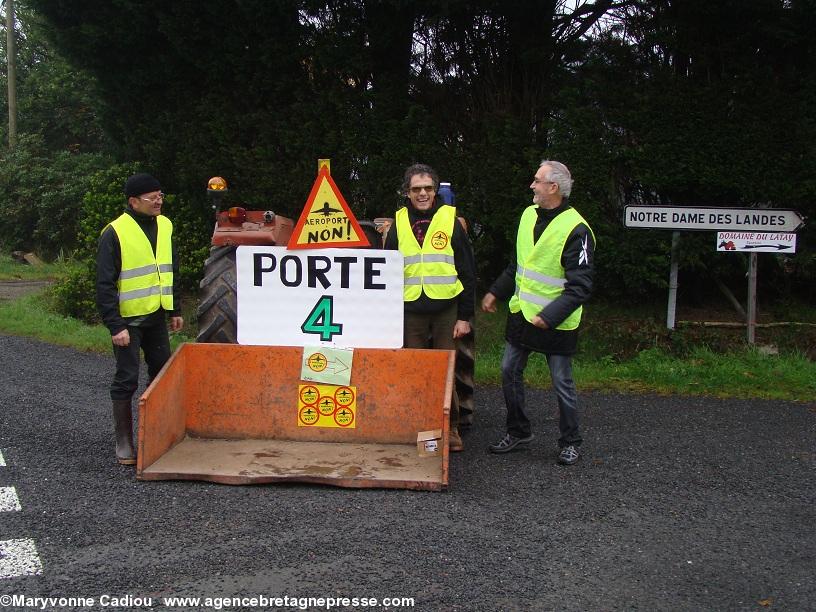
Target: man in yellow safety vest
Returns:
[136, 287]
[439, 272]
[547, 283]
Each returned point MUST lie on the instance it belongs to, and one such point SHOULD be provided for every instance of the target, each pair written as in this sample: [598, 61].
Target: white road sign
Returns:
[705, 218]
[756, 242]
[340, 297]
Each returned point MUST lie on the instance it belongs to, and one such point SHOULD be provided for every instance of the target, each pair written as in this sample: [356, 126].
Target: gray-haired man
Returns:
[547, 284]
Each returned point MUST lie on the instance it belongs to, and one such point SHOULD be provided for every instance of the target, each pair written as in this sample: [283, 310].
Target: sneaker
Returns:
[455, 443]
[508, 443]
[568, 455]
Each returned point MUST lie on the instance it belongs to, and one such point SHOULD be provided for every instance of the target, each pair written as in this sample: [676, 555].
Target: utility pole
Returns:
[11, 60]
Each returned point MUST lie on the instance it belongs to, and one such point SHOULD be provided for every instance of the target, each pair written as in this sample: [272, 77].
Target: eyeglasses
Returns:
[538, 182]
[154, 199]
[420, 189]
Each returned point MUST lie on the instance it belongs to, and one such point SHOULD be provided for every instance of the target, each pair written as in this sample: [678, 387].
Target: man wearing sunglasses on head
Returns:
[440, 276]
[136, 287]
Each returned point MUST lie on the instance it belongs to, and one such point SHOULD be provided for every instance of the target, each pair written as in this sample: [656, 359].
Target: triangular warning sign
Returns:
[326, 220]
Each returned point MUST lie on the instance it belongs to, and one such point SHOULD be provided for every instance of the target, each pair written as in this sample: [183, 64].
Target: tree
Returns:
[660, 101]
[11, 74]
[56, 100]
[694, 103]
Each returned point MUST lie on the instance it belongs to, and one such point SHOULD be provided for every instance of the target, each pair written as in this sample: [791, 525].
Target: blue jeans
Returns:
[518, 424]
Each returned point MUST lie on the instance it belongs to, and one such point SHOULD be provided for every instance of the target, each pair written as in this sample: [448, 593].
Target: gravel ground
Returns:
[677, 504]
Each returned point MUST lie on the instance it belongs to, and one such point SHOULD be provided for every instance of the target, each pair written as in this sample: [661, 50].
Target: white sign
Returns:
[319, 297]
[756, 242]
[703, 218]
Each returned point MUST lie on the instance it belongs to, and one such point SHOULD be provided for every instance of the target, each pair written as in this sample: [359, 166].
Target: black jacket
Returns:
[108, 266]
[463, 260]
[577, 258]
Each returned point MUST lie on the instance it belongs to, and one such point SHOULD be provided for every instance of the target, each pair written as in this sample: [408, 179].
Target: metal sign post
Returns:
[753, 243]
[752, 279]
[670, 323]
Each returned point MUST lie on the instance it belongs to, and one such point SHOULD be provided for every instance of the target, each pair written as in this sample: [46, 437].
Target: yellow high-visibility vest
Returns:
[145, 282]
[539, 274]
[431, 267]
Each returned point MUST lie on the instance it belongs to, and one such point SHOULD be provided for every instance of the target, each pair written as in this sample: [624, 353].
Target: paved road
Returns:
[678, 504]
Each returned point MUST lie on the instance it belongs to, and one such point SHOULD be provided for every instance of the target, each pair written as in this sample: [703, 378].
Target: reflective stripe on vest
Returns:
[539, 274]
[145, 281]
[429, 268]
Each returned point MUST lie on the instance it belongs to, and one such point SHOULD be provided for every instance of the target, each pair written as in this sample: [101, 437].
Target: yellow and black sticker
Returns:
[327, 406]
[317, 362]
[439, 240]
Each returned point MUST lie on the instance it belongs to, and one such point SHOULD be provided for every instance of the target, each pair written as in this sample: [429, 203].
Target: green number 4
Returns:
[320, 320]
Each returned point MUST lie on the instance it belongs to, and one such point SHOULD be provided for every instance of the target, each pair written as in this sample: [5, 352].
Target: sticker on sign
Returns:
[349, 298]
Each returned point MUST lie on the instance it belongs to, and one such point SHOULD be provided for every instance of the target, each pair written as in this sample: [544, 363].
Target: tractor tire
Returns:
[218, 298]
[464, 371]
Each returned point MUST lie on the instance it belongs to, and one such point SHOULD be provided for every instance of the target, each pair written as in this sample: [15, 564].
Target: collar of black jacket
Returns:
[140, 218]
[552, 213]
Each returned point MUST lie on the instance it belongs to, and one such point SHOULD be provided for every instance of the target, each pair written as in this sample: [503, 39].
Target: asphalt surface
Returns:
[677, 504]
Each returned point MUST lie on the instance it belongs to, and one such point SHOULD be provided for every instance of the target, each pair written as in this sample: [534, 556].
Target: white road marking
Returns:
[9, 501]
[19, 558]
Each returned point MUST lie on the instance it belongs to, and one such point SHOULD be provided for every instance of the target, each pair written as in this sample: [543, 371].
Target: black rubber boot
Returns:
[123, 420]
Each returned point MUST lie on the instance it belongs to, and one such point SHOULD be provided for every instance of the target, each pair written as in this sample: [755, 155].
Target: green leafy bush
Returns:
[41, 196]
[191, 220]
[101, 204]
[192, 231]
[75, 294]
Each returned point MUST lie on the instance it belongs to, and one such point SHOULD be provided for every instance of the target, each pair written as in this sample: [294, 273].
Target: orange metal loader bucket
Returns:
[229, 413]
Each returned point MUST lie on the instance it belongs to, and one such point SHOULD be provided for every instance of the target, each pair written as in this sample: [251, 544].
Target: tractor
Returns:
[218, 296]
[236, 226]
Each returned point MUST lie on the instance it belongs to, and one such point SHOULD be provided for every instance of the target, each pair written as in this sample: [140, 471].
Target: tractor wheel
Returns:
[465, 365]
[218, 305]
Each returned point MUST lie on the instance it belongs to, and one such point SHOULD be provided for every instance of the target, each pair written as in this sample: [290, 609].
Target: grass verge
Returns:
[639, 355]
[651, 366]
[31, 316]
[12, 270]
[745, 374]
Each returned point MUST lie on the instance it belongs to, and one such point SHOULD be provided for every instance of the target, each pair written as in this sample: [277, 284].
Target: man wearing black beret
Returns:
[137, 274]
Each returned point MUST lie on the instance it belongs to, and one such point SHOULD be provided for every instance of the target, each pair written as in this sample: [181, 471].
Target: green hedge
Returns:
[41, 196]
[103, 202]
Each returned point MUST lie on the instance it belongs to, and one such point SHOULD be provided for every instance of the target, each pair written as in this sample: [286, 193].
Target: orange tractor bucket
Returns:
[237, 414]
